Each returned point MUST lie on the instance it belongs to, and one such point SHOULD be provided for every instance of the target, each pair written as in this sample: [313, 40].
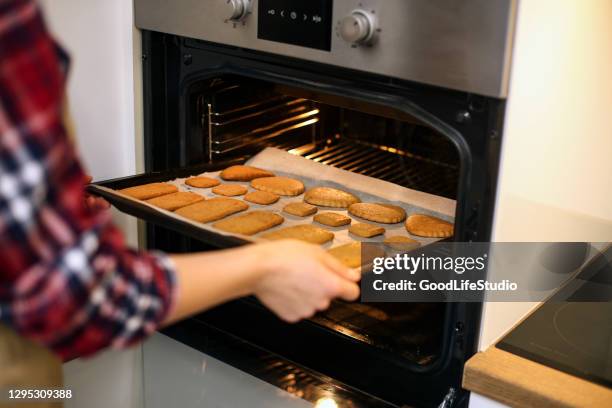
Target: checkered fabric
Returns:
[67, 280]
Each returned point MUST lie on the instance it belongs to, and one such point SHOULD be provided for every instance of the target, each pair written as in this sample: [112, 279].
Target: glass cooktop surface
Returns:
[573, 335]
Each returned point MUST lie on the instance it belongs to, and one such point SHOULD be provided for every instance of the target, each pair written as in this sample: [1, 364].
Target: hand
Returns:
[300, 279]
[94, 203]
[292, 278]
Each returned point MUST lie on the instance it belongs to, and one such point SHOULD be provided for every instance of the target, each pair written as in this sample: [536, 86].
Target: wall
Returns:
[558, 135]
[103, 46]
[98, 36]
[556, 170]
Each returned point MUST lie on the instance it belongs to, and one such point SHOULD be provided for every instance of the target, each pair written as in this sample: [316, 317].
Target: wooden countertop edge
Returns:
[517, 381]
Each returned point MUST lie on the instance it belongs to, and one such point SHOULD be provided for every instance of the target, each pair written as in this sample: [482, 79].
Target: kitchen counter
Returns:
[517, 381]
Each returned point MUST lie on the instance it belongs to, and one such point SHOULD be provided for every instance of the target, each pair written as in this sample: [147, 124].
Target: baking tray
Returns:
[158, 216]
[283, 164]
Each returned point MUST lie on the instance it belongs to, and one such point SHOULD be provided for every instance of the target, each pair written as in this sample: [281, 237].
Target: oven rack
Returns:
[382, 162]
[382, 326]
[257, 124]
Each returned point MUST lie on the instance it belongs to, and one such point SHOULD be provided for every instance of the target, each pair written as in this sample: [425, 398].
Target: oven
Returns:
[407, 92]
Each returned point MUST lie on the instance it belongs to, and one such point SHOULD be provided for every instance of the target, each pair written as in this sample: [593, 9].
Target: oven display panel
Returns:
[306, 23]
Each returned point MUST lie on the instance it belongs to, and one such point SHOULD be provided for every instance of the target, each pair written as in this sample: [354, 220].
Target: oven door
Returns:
[204, 103]
[175, 374]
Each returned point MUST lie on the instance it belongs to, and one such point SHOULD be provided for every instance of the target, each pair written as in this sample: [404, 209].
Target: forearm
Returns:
[292, 278]
[205, 280]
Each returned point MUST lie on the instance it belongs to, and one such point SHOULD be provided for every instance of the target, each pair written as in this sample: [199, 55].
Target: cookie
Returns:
[356, 254]
[147, 191]
[428, 226]
[250, 223]
[306, 232]
[330, 197]
[300, 209]
[401, 242]
[332, 219]
[366, 230]
[284, 186]
[175, 201]
[378, 212]
[261, 197]
[348, 254]
[230, 190]
[213, 209]
[202, 182]
[244, 173]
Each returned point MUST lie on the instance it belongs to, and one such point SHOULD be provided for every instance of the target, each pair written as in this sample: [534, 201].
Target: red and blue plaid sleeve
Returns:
[67, 280]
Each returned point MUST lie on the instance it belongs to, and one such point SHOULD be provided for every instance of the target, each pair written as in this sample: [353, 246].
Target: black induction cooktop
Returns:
[572, 332]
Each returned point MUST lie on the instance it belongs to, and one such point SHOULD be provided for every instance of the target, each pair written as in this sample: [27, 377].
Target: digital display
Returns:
[299, 22]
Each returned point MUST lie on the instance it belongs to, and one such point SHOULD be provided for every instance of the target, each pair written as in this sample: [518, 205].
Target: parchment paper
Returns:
[314, 174]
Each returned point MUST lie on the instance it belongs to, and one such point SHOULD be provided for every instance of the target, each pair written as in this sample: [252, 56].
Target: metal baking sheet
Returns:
[311, 173]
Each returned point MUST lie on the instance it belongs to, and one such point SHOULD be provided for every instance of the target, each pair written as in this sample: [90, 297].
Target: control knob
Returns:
[358, 27]
[237, 10]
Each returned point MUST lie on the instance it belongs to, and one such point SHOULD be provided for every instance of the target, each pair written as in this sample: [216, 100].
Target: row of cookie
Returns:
[194, 206]
[270, 187]
[176, 200]
[417, 224]
[167, 196]
[250, 223]
[264, 181]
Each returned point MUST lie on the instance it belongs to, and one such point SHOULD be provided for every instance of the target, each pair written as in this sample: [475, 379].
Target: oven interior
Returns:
[231, 116]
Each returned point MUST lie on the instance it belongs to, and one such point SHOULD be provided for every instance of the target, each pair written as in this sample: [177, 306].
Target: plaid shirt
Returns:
[67, 279]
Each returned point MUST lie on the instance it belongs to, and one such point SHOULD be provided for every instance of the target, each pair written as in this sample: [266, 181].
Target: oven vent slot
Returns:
[251, 125]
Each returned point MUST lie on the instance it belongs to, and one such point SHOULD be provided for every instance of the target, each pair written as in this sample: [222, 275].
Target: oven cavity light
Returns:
[326, 402]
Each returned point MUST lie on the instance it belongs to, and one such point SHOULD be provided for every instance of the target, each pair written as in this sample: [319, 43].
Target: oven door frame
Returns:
[473, 123]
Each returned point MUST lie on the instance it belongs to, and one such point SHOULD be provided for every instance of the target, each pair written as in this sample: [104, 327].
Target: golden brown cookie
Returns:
[348, 254]
[284, 186]
[261, 197]
[305, 232]
[300, 209]
[356, 254]
[213, 209]
[330, 197]
[401, 242]
[202, 182]
[250, 223]
[244, 173]
[378, 212]
[365, 230]
[147, 191]
[175, 201]
[230, 190]
[332, 219]
[428, 226]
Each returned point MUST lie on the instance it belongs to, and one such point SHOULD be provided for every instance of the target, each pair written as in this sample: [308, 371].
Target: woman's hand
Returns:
[94, 203]
[292, 278]
[300, 279]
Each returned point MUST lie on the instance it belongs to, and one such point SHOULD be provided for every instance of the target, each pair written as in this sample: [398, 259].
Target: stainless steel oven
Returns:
[411, 92]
